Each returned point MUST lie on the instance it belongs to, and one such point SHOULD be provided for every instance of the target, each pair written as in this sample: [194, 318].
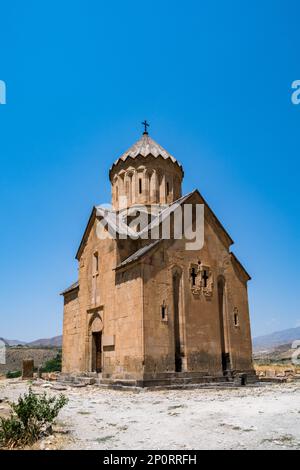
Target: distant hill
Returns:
[55, 342]
[273, 340]
[282, 353]
[13, 342]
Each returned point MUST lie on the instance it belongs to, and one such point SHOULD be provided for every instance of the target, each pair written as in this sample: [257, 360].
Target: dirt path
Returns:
[267, 417]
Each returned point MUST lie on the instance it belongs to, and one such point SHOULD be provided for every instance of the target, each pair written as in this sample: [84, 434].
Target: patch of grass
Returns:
[84, 412]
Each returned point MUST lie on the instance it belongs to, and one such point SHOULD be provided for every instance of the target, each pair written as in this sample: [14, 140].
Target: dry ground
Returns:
[264, 417]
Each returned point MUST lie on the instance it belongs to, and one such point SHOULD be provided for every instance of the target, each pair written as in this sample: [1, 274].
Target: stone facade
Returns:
[151, 312]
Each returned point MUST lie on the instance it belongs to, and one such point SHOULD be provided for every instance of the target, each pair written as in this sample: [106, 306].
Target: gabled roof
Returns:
[123, 229]
[144, 147]
[109, 215]
[70, 288]
[239, 266]
[86, 232]
[138, 254]
[215, 218]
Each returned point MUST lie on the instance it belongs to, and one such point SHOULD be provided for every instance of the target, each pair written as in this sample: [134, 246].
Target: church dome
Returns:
[144, 147]
[145, 174]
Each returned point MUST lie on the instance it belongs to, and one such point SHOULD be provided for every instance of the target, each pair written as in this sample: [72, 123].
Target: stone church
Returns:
[148, 311]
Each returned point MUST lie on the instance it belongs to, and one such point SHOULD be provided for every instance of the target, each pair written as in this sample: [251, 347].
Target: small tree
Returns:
[30, 417]
[53, 365]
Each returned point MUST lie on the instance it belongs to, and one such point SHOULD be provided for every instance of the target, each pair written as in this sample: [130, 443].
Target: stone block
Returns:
[108, 340]
[270, 373]
[27, 369]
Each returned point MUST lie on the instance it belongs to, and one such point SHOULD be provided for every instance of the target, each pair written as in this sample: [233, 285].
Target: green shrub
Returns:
[13, 374]
[11, 431]
[53, 365]
[31, 416]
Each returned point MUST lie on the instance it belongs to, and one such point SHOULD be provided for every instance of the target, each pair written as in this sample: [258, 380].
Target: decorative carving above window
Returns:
[195, 278]
[201, 280]
[207, 280]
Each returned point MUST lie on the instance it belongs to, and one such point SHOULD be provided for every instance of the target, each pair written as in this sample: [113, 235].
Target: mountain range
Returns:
[55, 342]
[278, 338]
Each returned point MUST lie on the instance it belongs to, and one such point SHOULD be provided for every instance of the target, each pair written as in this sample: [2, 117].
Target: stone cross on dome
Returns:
[145, 124]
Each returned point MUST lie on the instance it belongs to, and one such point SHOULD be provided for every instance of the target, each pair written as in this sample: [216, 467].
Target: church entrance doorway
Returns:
[178, 339]
[95, 359]
[97, 352]
[225, 356]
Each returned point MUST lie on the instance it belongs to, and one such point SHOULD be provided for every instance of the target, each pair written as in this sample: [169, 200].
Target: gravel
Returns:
[263, 417]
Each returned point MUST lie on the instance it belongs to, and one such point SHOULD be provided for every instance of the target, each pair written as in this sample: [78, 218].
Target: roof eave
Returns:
[82, 242]
[70, 289]
[122, 160]
[124, 265]
[240, 266]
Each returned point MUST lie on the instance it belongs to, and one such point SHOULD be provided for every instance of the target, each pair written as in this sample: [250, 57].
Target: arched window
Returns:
[236, 320]
[95, 273]
[164, 312]
[95, 263]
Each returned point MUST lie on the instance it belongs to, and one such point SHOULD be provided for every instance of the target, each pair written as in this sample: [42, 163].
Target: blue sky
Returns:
[214, 80]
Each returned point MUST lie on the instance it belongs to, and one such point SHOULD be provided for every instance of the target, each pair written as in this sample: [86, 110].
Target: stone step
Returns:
[77, 379]
[165, 382]
[172, 379]
[171, 375]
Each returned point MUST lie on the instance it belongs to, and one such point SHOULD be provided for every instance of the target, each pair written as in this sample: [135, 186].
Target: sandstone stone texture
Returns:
[148, 311]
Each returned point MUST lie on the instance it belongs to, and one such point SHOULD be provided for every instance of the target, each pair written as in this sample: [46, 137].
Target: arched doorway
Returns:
[178, 319]
[95, 333]
[225, 356]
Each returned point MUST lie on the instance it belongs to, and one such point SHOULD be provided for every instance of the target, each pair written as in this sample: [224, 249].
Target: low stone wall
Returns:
[16, 355]
[277, 370]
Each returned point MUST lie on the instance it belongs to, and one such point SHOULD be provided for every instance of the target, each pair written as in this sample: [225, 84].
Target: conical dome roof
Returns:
[144, 147]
